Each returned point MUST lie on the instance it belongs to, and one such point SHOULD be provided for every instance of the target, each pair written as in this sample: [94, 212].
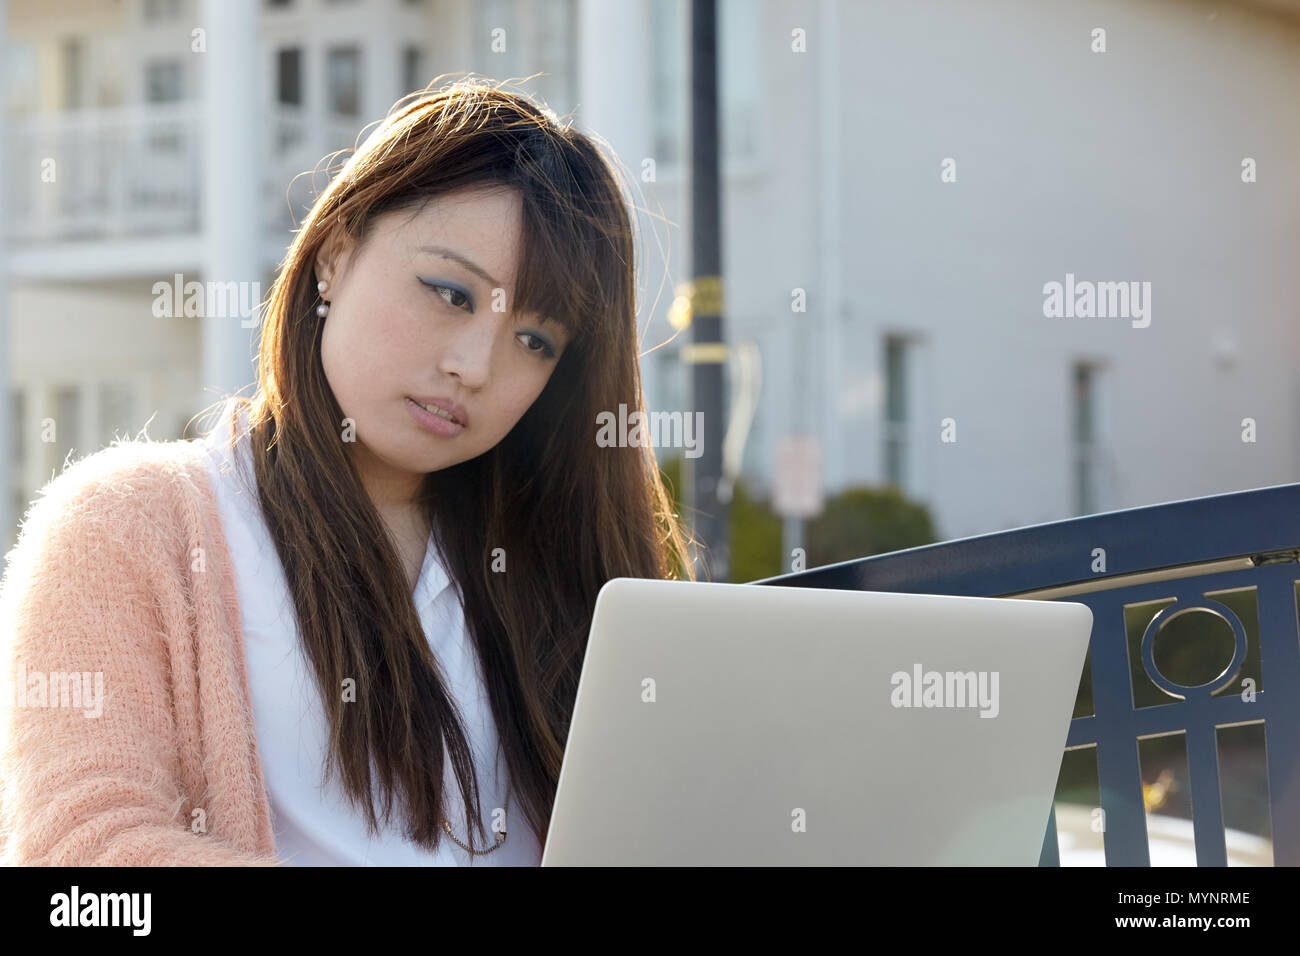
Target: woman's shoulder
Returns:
[129, 488]
[128, 469]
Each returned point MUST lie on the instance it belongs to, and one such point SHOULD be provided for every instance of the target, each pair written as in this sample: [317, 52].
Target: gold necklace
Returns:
[501, 835]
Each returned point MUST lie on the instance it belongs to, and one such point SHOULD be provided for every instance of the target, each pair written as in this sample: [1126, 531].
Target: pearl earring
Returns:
[323, 309]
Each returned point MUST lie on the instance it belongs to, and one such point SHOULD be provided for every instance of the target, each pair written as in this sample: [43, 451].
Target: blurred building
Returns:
[167, 142]
[901, 180]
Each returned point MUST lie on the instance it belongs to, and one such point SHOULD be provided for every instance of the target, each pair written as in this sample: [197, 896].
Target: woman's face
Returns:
[423, 311]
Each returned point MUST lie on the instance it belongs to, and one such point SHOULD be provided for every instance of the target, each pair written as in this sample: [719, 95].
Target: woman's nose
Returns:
[469, 355]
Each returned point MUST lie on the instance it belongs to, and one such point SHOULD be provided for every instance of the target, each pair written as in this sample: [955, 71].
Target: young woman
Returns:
[346, 627]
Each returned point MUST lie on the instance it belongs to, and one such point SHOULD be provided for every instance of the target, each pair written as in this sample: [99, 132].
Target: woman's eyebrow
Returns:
[455, 256]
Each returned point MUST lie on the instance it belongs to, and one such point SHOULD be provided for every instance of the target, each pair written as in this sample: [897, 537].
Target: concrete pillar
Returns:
[233, 117]
[614, 99]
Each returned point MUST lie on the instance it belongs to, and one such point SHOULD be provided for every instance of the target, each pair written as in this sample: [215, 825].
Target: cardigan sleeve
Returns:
[89, 590]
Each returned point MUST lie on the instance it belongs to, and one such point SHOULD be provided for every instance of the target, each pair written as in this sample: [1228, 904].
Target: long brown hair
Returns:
[570, 515]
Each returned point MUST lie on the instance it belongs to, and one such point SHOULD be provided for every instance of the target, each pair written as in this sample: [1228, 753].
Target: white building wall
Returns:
[1116, 166]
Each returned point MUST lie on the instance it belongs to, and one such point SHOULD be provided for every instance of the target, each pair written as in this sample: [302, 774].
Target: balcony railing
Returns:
[296, 144]
[103, 173]
[136, 171]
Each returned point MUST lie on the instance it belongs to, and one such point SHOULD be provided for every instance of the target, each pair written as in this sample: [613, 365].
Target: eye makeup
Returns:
[438, 284]
[548, 347]
[547, 351]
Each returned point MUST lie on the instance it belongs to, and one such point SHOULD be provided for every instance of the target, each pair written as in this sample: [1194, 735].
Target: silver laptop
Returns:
[731, 724]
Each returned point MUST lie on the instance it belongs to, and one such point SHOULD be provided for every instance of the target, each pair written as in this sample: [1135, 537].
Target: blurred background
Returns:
[899, 181]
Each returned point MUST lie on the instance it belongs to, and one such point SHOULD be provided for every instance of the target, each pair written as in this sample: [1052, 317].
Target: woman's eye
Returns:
[544, 347]
[454, 297]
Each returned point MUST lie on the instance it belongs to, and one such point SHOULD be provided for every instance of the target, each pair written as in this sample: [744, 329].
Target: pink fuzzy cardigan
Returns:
[122, 570]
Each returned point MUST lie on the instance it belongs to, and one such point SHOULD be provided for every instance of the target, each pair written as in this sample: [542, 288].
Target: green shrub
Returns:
[856, 523]
[865, 521]
[755, 537]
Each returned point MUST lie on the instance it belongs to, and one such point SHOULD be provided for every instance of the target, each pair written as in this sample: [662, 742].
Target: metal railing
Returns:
[103, 173]
[109, 173]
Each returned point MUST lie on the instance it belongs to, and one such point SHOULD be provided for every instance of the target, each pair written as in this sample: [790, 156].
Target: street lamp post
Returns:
[707, 352]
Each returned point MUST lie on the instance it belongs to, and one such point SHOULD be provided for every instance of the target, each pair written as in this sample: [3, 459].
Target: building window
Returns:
[162, 9]
[1085, 439]
[67, 423]
[343, 80]
[669, 44]
[896, 411]
[20, 78]
[162, 82]
[73, 57]
[413, 77]
[115, 412]
[18, 426]
[288, 76]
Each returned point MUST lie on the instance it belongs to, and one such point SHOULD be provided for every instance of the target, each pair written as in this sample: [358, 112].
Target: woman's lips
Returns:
[430, 422]
[450, 406]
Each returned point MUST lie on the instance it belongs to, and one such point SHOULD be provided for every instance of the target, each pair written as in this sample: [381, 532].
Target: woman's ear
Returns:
[332, 256]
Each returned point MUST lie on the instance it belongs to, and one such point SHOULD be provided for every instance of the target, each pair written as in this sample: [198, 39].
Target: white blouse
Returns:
[315, 825]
